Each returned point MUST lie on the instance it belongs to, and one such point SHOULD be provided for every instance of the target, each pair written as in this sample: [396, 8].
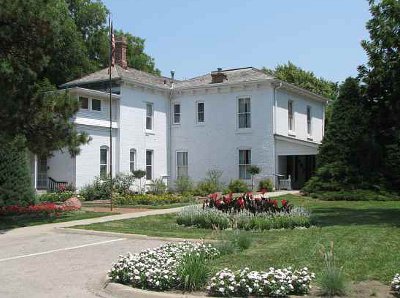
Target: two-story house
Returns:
[226, 120]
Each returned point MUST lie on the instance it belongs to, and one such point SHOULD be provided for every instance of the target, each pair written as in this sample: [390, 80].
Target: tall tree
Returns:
[305, 79]
[381, 78]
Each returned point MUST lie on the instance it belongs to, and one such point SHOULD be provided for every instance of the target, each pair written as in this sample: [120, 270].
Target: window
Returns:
[181, 164]
[149, 164]
[309, 118]
[103, 162]
[290, 116]
[244, 163]
[149, 116]
[83, 103]
[177, 113]
[200, 112]
[132, 160]
[96, 104]
[244, 114]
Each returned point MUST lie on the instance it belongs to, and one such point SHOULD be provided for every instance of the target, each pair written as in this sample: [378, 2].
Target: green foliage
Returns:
[15, 183]
[253, 170]
[304, 79]
[238, 186]
[332, 281]
[355, 195]
[212, 183]
[266, 184]
[139, 174]
[100, 189]
[233, 242]
[183, 185]
[193, 271]
[157, 186]
[207, 218]
[149, 199]
[56, 196]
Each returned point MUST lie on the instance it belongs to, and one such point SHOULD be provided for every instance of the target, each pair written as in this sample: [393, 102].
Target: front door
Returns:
[41, 182]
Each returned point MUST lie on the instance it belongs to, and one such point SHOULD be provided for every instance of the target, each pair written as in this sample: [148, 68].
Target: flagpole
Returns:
[110, 88]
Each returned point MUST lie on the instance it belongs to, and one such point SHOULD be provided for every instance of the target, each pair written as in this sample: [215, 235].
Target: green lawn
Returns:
[366, 236]
[11, 222]
[160, 206]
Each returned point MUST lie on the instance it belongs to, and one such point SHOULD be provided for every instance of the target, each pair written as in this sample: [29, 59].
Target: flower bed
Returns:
[274, 282]
[156, 268]
[149, 199]
[39, 209]
[259, 203]
[395, 284]
[211, 218]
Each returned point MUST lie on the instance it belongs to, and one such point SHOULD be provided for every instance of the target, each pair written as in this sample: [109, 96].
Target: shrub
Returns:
[157, 187]
[213, 218]
[55, 196]
[332, 281]
[100, 189]
[193, 271]
[157, 268]
[212, 183]
[238, 186]
[266, 184]
[15, 179]
[183, 185]
[149, 199]
[271, 283]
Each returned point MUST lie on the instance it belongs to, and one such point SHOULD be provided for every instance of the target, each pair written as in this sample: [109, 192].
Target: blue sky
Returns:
[195, 37]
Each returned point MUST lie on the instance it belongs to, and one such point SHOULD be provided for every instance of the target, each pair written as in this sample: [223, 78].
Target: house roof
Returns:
[233, 76]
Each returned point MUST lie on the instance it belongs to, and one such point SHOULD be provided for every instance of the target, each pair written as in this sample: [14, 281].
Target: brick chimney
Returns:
[218, 76]
[120, 52]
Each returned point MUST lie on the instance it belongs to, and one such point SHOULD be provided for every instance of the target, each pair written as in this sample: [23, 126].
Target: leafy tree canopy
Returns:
[304, 79]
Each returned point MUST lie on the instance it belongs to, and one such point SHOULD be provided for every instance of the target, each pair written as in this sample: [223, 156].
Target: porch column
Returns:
[35, 167]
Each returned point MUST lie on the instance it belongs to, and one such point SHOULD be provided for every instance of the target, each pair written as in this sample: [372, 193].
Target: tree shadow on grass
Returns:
[349, 216]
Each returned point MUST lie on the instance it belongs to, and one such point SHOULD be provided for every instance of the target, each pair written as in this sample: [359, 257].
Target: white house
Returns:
[226, 120]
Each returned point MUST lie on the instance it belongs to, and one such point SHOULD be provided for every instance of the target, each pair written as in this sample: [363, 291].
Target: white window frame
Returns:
[243, 113]
[106, 164]
[291, 117]
[198, 113]
[179, 114]
[88, 103]
[309, 121]
[132, 163]
[245, 165]
[151, 165]
[151, 117]
[91, 104]
[182, 166]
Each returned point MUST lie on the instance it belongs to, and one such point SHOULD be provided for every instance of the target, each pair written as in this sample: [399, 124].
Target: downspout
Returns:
[169, 121]
[276, 86]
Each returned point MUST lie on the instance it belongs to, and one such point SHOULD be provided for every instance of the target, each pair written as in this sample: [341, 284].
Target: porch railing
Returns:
[285, 183]
[54, 185]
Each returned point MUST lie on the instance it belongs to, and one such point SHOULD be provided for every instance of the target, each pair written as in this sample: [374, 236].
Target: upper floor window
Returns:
[149, 116]
[96, 104]
[244, 113]
[244, 164]
[181, 164]
[132, 160]
[149, 164]
[83, 103]
[177, 113]
[309, 121]
[290, 116]
[200, 112]
[103, 162]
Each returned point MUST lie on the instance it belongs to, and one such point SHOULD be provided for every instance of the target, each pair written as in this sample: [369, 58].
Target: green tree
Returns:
[381, 78]
[343, 159]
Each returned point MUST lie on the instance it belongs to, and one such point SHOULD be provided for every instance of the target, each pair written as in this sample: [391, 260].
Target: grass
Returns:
[141, 206]
[11, 222]
[366, 235]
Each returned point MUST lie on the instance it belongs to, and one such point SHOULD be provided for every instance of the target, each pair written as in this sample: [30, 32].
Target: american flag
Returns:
[112, 45]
